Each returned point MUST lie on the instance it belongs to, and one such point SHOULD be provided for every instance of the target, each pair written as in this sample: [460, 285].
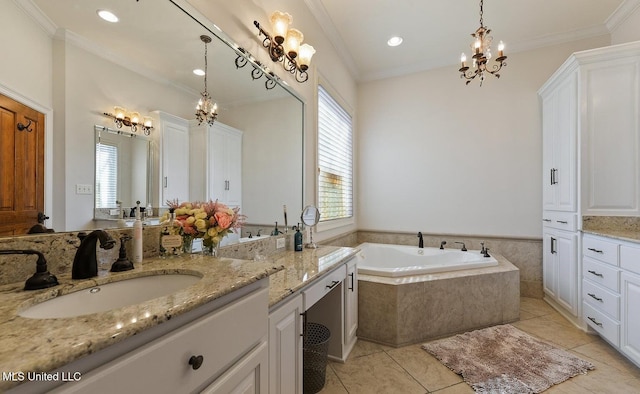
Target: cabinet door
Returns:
[549, 264]
[566, 254]
[630, 297]
[234, 168]
[559, 146]
[611, 133]
[351, 305]
[560, 277]
[175, 162]
[248, 376]
[225, 172]
[285, 348]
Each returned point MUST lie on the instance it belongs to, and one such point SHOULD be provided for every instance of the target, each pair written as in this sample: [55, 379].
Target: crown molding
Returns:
[32, 10]
[621, 14]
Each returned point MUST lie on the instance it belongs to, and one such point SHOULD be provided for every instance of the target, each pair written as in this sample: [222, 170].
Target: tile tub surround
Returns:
[57, 342]
[524, 253]
[418, 308]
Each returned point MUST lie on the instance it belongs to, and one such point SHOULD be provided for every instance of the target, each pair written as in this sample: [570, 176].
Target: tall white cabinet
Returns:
[172, 135]
[591, 143]
[215, 162]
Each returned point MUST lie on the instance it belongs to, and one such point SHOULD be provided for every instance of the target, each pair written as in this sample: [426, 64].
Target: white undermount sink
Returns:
[109, 296]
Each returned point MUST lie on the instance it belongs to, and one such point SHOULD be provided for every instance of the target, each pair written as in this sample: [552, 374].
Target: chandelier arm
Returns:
[301, 76]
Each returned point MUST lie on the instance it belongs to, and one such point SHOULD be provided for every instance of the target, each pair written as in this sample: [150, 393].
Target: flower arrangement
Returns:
[210, 220]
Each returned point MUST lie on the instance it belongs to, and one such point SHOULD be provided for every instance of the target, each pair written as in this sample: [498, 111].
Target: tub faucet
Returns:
[420, 240]
[464, 248]
[85, 264]
[442, 244]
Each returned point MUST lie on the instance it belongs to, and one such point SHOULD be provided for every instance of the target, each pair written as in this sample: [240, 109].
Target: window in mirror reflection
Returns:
[106, 189]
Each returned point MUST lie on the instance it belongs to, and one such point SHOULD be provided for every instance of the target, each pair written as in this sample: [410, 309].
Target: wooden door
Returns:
[21, 166]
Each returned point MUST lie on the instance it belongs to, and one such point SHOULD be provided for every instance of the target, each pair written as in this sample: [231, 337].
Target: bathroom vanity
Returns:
[213, 336]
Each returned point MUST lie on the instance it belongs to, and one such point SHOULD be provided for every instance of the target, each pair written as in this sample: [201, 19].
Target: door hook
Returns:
[22, 127]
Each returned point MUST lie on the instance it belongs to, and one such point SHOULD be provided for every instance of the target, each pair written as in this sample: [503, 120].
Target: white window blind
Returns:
[335, 159]
[107, 178]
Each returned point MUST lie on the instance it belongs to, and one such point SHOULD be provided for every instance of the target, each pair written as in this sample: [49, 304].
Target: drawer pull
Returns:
[562, 222]
[595, 273]
[597, 323]
[594, 297]
[333, 284]
[546, 220]
[196, 361]
[595, 250]
[352, 275]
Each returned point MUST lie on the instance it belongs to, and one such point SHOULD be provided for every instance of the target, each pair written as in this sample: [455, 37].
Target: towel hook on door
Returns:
[22, 127]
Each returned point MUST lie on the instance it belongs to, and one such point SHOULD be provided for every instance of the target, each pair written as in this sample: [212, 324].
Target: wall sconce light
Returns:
[286, 45]
[130, 119]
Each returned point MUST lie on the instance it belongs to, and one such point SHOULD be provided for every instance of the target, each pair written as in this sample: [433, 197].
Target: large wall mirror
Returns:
[145, 62]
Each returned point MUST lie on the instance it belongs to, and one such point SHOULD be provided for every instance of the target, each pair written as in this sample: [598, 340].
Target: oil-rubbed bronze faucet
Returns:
[85, 264]
[42, 279]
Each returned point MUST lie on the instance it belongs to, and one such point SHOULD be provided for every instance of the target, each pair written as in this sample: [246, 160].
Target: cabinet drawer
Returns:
[163, 364]
[327, 283]
[600, 249]
[560, 220]
[630, 258]
[601, 299]
[603, 274]
[608, 328]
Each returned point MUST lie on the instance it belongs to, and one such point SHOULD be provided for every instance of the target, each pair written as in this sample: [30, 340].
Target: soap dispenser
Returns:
[298, 239]
[170, 239]
[137, 236]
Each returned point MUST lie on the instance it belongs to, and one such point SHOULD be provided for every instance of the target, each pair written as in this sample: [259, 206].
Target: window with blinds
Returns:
[107, 178]
[335, 159]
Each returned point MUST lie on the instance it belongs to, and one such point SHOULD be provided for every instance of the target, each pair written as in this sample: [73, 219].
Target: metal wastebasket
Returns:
[314, 359]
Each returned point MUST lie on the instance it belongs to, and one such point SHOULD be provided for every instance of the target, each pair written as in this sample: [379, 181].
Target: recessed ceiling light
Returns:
[394, 41]
[198, 72]
[108, 16]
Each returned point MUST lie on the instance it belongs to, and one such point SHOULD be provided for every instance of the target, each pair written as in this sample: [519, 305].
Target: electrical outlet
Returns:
[82, 188]
[280, 243]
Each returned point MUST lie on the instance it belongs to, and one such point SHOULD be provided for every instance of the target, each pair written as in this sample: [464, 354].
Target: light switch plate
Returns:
[84, 188]
[280, 243]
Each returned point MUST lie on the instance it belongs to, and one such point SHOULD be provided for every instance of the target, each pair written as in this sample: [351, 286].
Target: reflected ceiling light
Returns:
[286, 45]
[199, 72]
[481, 49]
[206, 109]
[394, 41]
[107, 16]
[122, 117]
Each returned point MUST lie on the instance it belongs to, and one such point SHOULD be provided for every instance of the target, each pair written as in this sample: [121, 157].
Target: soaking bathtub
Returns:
[401, 260]
[408, 295]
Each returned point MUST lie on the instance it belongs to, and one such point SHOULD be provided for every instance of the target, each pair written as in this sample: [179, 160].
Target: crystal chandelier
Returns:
[206, 109]
[481, 49]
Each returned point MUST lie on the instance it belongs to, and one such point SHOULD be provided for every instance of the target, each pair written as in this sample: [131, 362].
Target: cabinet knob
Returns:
[196, 361]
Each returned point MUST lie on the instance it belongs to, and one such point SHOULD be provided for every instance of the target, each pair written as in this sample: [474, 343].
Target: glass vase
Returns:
[187, 243]
[210, 248]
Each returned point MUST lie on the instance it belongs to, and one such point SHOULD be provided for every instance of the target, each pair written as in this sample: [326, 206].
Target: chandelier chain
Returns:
[205, 67]
[481, 20]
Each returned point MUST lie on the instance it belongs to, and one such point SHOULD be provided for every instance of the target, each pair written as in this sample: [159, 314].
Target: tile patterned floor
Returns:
[373, 368]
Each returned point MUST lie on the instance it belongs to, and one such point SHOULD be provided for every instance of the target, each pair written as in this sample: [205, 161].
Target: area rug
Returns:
[503, 359]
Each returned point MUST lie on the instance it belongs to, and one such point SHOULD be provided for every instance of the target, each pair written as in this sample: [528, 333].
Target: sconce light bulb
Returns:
[501, 46]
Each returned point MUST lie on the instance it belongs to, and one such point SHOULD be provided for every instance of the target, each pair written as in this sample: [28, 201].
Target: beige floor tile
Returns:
[604, 353]
[364, 348]
[551, 331]
[606, 379]
[526, 315]
[332, 384]
[425, 368]
[567, 387]
[460, 388]
[535, 306]
[376, 373]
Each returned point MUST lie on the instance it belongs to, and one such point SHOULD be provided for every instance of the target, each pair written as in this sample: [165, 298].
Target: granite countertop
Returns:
[624, 228]
[44, 345]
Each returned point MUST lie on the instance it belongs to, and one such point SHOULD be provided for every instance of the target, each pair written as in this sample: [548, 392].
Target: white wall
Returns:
[441, 157]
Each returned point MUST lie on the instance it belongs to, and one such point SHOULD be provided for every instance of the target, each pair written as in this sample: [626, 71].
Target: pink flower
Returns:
[224, 220]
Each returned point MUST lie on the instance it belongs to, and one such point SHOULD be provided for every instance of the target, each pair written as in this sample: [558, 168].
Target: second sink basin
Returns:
[109, 296]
